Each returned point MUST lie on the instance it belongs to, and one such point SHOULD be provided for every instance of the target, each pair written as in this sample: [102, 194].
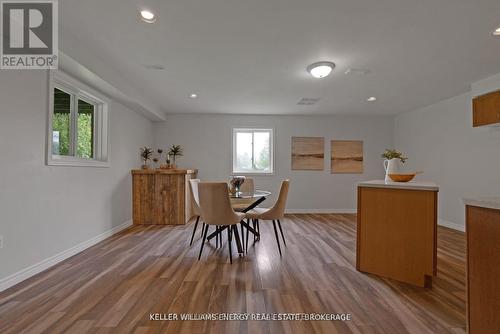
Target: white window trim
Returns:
[60, 80]
[271, 151]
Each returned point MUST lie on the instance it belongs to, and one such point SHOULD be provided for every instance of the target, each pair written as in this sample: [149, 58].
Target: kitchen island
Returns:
[397, 230]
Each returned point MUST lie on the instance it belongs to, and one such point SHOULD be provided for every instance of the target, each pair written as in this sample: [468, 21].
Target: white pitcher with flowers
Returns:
[392, 160]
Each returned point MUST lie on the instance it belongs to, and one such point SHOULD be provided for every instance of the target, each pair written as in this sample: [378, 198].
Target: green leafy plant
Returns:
[394, 154]
[146, 154]
[175, 151]
[61, 123]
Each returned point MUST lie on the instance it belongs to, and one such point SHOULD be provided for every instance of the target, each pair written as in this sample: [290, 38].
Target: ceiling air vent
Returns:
[308, 101]
[154, 67]
[357, 71]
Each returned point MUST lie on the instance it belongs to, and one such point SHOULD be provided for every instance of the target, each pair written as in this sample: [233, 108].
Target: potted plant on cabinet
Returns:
[145, 154]
[175, 151]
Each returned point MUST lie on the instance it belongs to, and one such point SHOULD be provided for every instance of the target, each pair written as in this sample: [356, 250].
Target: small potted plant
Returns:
[392, 158]
[174, 152]
[146, 154]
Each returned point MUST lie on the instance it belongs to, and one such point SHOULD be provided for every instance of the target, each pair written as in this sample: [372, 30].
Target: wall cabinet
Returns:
[486, 109]
[161, 197]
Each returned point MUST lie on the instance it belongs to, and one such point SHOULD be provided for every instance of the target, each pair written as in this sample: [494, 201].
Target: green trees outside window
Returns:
[61, 126]
[252, 152]
[85, 121]
[61, 123]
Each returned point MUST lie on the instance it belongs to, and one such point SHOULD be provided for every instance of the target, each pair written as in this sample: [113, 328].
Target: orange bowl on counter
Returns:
[402, 177]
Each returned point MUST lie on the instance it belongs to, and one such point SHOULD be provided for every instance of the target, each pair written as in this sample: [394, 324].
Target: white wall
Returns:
[464, 161]
[45, 210]
[207, 146]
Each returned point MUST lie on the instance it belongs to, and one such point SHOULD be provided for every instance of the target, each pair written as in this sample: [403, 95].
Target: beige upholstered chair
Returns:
[247, 186]
[275, 213]
[241, 204]
[195, 200]
[215, 208]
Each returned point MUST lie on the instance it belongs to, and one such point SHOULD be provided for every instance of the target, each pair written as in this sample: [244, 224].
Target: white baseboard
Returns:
[26, 273]
[452, 225]
[334, 211]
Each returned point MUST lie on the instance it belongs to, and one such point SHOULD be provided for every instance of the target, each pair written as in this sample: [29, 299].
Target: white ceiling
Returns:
[250, 56]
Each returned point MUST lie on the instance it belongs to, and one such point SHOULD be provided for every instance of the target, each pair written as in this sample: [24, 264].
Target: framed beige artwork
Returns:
[346, 157]
[308, 153]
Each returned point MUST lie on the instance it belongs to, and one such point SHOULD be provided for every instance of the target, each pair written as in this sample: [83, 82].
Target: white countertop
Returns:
[412, 185]
[484, 202]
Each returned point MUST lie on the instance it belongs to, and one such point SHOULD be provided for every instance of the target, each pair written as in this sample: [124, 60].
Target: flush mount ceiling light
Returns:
[321, 69]
[497, 32]
[371, 99]
[148, 16]
[193, 96]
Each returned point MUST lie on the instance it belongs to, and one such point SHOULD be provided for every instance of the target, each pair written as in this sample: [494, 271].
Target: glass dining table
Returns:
[244, 202]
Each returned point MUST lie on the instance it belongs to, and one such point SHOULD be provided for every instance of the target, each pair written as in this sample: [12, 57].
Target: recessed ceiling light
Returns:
[193, 96]
[154, 67]
[148, 16]
[497, 32]
[321, 69]
[371, 99]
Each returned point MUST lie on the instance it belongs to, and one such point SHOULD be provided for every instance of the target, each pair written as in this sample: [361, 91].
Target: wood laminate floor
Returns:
[114, 286]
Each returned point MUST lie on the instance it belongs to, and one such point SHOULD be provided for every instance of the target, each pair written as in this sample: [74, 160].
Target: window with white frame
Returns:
[77, 125]
[253, 151]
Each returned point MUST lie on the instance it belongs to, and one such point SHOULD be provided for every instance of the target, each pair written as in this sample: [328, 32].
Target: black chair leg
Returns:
[282, 235]
[277, 239]
[205, 231]
[248, 240]
[258, 229]
[255, 228]
[237, 239]
[243, 236]
[194, 230]
[229, 230]
[217, 239]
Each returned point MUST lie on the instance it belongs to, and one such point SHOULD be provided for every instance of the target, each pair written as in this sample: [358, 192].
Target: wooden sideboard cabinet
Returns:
[161, 197]
[483, 269]
[486, 109]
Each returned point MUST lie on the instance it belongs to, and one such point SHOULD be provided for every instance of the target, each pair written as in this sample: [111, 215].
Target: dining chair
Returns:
[275, 213]
[247, 186]
[215, 208]
[195, 200]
